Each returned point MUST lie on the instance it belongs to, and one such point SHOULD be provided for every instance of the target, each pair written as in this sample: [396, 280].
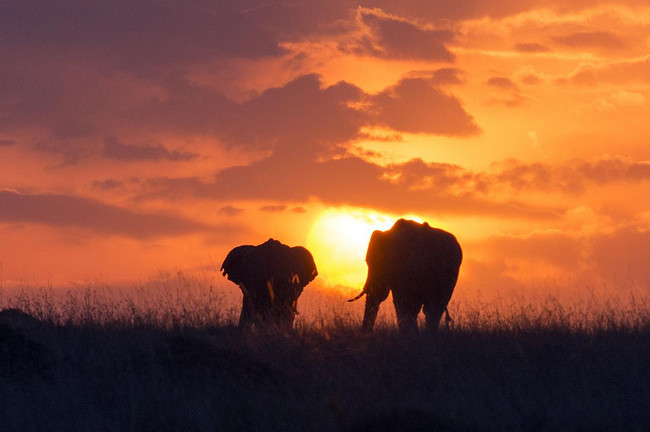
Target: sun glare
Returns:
[339, 240]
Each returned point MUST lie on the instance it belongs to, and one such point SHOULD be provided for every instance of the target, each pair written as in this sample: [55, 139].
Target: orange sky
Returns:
[155, 137]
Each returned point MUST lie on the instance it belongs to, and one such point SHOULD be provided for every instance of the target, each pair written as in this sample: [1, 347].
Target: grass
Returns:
[165, 356]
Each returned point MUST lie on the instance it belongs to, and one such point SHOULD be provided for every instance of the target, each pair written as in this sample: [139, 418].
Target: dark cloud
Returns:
[230, 210]
[77, 212]
[531, 47]
[122, 68]
[446, 76]
[6, 142]
[304, 118]
[502, 83]
[596, 39]
[114, 149]
[412, 187]
[417, 174]
[301, 116]
[398, 38]
[108, 184]
[415, 105]
[572, 177]
[183, 108]
[273, 208]
[137, 35]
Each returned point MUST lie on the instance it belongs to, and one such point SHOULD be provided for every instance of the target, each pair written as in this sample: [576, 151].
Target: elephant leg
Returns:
[436, 305]
[407, 312]
[433, 311]
[246, 316]
[285, 319]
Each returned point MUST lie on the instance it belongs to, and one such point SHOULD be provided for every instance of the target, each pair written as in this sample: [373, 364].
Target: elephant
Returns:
[420, 265]
[271, 276]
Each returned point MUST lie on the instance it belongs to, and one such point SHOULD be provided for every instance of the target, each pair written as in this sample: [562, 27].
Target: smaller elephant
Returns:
[271, 276]
[420, 265]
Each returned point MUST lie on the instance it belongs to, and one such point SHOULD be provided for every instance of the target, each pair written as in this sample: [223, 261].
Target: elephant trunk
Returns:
[370, 313]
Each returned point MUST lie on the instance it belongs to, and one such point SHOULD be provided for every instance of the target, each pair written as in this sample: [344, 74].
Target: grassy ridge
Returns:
[99, 363]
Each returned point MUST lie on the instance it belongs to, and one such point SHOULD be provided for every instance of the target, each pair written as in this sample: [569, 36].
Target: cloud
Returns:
[70, 211]
[304, 118]
[230, 210]
[7, 143]
[502, 83]
[631, 71]
[531, 79]
[571, 177]
[114, 149]
[414, 105]
[412, 187]
[447, 76]
[531, 47]
[603, 40]
[273, 208]
[106, 185]
[395, 37]
[145, 35]
[301, 116]
[508, 86]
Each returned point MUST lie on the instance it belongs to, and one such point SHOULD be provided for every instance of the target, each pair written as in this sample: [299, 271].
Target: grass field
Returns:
[165, 356]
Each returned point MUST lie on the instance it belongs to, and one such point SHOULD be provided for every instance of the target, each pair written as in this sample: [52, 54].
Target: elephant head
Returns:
[271, 276]
[419, 264]
[232, 264]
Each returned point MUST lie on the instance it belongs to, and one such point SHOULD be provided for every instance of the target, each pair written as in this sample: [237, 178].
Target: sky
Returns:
[151, 136]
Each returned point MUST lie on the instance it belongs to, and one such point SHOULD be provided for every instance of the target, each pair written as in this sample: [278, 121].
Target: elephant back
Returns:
[421, 248]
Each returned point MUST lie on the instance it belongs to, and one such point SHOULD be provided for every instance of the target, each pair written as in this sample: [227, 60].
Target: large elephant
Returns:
[271, 276]
[419, 264]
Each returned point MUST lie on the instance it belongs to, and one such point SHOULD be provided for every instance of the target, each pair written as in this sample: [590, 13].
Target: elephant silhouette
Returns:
[271, 277]
[420, 265]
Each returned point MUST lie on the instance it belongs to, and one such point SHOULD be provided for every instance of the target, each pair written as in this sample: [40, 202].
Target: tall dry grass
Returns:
[165, 355]
[179, 300]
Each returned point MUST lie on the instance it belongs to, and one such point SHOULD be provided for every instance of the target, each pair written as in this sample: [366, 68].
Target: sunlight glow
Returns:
[339, 240]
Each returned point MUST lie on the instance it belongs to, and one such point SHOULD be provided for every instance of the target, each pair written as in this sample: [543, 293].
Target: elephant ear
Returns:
[307, 271]
[232, 264]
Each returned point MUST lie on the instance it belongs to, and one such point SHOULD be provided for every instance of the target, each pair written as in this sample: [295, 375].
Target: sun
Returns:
[339, 239]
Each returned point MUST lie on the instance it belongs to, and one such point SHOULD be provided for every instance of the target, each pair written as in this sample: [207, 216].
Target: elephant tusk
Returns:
[295, 279]
[269, 285]
[357, 297]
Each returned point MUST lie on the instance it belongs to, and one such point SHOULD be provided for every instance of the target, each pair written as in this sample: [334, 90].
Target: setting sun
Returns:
[339, 239]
